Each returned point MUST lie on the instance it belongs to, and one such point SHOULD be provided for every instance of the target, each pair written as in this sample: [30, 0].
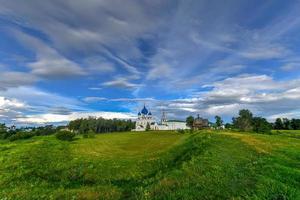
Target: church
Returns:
[146, 119]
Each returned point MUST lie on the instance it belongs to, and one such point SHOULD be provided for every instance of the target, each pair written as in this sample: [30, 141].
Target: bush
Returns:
[181, 131]
[65, 135]
[21, 136]
[261, 125]
[89, 134]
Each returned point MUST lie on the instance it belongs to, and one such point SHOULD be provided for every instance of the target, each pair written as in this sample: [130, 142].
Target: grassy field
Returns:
[153, 165]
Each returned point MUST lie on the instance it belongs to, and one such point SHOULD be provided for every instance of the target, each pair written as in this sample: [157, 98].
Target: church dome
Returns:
[149, 113]
[139, 113]
[144, 111]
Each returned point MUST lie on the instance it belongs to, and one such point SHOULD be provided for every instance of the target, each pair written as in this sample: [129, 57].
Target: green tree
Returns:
[190, 121]
[84, 126]
[286, 124]
[100, 125]
[65, 135]
[2, 128]
[148, 127]
[219, 121]
[295, 124]
[261, 125]
[228, 126]
[75, 124]
[2, 131]
[244, 121]
[278, 124]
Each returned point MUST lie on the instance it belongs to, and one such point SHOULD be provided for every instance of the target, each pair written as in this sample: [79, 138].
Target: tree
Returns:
[219, 121]
[65, 135]
[100, 125]
[2, 131]
[244, 120]
[295, 124]
[2, 128]
[75, 124]
[190, 121]
[228, 126]
[83, 127]
[286, 124]
[278, 124]
[148, 127]
[261, 125]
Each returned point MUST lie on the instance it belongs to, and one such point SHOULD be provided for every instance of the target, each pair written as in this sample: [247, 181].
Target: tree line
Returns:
[26, 132]
[245, 121]
[100, 125]
[287, 124]
[88, 127]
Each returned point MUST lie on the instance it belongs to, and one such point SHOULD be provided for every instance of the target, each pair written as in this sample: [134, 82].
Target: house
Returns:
[200, 123]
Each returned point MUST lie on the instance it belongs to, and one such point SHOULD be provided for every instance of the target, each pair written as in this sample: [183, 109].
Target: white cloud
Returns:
[6, 103]
[160, 71]
[265, 51]
[260, 93]
[49, 63]
[9, 79]
[99, 65]
[56, 118]
[39, 101]
[291, 66]
[95, 88]
[122, 83]
[96, 99]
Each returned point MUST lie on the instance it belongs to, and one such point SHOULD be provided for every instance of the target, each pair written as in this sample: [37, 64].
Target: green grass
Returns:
[153, 165]
[289, 133]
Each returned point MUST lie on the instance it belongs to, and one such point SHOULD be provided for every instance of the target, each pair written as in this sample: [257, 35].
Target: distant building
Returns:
[200, 123]
[12, 128]
[145, 117]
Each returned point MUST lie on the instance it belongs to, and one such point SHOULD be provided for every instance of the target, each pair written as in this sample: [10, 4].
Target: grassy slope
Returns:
[161, 165]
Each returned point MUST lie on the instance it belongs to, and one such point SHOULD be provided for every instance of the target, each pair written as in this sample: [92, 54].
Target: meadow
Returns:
[153, 165]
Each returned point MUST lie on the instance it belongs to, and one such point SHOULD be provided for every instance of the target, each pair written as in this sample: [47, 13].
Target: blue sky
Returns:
[60, 60]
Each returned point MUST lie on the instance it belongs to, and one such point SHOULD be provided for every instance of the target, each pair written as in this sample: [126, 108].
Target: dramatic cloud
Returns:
[49, 63]
[62, 58]
[260, 93]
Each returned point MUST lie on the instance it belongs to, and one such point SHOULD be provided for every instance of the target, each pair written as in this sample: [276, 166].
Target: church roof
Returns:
[139, 113]
[144, 111]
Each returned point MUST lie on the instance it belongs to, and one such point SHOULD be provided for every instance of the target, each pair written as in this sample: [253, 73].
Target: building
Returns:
[12, 128]
[145, 118]
[200, 123]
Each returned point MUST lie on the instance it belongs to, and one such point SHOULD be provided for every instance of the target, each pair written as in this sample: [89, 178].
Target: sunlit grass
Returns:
[152, 165]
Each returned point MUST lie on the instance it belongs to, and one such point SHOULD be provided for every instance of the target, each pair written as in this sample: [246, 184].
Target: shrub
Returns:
[20, 136]
[89, 134]
[261, 125]
[65, 135]
[181, 131]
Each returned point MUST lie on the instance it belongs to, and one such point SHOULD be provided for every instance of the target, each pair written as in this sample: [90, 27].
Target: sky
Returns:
[66, 59]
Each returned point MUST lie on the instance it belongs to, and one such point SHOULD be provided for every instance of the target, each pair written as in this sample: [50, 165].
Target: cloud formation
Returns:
[186, 57]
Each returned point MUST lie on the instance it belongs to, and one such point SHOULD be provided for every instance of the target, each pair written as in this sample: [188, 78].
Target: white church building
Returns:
[145, 118]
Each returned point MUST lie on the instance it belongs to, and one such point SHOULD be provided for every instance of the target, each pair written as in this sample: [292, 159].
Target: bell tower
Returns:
[163, 117]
